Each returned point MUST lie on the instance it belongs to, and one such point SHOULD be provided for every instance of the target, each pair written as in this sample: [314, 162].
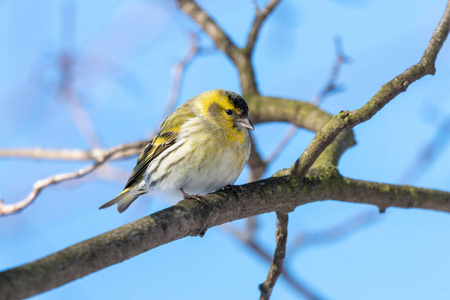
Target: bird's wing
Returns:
[167, 136]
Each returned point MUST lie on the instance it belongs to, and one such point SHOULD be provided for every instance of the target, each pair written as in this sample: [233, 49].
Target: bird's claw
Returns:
[199, 198]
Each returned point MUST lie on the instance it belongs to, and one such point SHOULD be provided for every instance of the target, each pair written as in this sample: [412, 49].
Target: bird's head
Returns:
[225, 108]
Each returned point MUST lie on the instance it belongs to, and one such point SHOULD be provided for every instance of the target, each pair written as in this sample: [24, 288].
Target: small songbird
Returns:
[201, 147]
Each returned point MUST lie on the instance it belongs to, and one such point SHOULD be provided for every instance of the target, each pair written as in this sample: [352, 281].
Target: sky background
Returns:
[123, 56]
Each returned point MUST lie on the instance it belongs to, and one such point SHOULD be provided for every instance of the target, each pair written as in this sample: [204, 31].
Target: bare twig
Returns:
[66, 89]
[429, 153]
[102, 157]
[252, 226]
[80, 116]
[50, 154]
[333, 233]
[278, 258]
[331, 86]
[178, 72]
[260, 17]
[129, 149]
[255, 162]
[287, 138]
[251, 243]
[109, 173]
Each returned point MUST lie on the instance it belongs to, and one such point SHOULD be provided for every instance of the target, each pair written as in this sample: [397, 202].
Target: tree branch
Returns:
[178, 72]
[220, 38]
[347, 120]
[277, 263]
[128, 149]
[101, 156]
[331, 85]
[429, 153]
[386, 195]
[300, 114]
[189, 218]
[256, 248]
[238, 56]
[286, 139]
[260, 17]
[256, 164]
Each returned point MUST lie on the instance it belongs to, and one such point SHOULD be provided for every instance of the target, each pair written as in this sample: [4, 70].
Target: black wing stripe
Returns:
[147, 155]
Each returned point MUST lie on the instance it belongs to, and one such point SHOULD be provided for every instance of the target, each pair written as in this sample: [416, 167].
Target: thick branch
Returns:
[273, 109]
[386, 195]
[189, 218]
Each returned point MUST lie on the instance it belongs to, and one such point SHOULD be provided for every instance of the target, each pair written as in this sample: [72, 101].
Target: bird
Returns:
[201, 147]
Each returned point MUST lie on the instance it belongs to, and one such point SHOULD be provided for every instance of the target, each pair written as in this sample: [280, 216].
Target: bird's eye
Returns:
[229, 112]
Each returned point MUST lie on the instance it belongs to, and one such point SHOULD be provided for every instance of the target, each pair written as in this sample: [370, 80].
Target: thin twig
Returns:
[178, 72]
[278, 257]
[80, 116]
[252, 226]
[429, 153]
[256, 164]
[287, 138]
[331, 86]
[333, 233]
[247, 240]
[260, 17]
[6, 209]
[66, 89]
[129, 149]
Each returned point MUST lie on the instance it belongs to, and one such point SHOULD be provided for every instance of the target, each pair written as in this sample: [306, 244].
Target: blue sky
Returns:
[124, 54]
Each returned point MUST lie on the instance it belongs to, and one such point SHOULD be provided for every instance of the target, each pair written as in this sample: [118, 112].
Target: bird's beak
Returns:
[244, 122]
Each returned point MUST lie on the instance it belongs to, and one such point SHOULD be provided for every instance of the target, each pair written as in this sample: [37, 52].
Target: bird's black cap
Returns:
[237, 101]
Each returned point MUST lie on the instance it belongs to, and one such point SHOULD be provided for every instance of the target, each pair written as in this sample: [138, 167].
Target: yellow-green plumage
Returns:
[201, 147]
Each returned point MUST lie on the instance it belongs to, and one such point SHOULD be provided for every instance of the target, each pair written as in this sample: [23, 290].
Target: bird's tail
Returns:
[123, 200]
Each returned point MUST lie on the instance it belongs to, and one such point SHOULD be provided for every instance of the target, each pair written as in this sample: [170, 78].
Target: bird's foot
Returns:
[199, 198]
[234, 188]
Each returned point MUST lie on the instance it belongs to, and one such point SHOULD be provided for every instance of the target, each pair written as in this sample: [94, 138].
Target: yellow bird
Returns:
[201, 147]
